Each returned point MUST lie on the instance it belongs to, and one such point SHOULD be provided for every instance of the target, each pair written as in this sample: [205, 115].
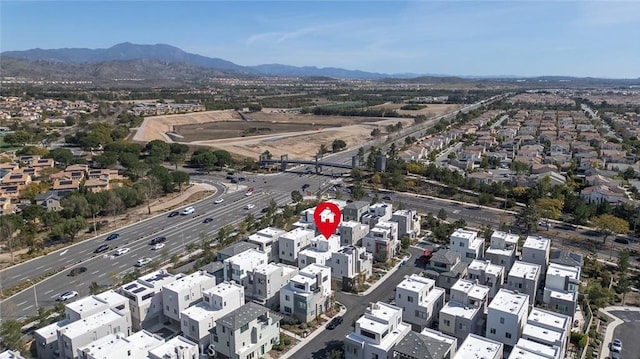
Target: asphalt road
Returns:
[628, 332]
[319, 346]
[179, 230]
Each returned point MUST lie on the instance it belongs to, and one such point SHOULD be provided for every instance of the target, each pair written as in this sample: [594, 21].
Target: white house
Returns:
[308, 294]
[377, 212]
[507, 317]
[420, 300]
[467, 244]
[135, 346]
[548, 328]
[352, 232]
[502, 250]
[197, 320]
[185, 292]
[561, 288]
[408, 222]
[382, 241]
[239, 267]
[267, 241]
[351, 264]
[248, 332]
[475, 346]
[292, 242]
[88, 306]
[462, 315]
[528, 349]
[376, 333]
[487, 274]
[145, 297]
[428, 343]
[536, 250]
[524, 277]
[319, 251]
[84, 331]
[267, 282]
[10, 354]
[46, 339]
[176, 348]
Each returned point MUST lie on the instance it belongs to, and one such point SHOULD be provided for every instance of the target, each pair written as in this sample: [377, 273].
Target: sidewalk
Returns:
[164, 203]
[303, 341]
[385, 276]
[608, 335]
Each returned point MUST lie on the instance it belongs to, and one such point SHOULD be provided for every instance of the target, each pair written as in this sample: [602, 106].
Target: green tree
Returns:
[338, 145]
[442, 214]
[357, 192]
[72, 226]
[323, 149]
[624, 286]
[158, 148]
[11, 333]
[296, 196]
[180, 178]
[94, 288]
[528, 217]
[520, 167]
[608, 224]
[204, 159]
[63, 156]
[376, 133]
[176, 159]
[18, 138]
[550, 208]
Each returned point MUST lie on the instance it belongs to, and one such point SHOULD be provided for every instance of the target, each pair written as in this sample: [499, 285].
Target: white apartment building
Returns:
[507, 317]
[267, 282]
[354, 211]
[462, 315]
[524, 277]
[135, 346]
[10, 354]
[475, 346]
[408, 222]
[239, 267]
[351, 264]
[536, 250]
[382, 241]
[197, 320]
[527, 349]
[487, 274]
[308, 294]
[176, 348]
[548, 328]
[420, 300]
[292, 242]
[377, 213]
[47, 340]
[503, 249]
[319, 250]
[185, 292]
[376, 333]
[467, 244]
[84, 331]
[267, 241]
[428, 343]
[352, 232]
[561, 288]
[88, 306]
[145, 297]
[248, 332]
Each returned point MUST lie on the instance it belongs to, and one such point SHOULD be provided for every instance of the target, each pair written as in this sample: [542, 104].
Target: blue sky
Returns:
[527, 38]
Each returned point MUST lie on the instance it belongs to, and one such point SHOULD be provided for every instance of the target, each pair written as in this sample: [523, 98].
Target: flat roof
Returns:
[537, 242]
[52, 329]
[509, 301]
[460, 310]
[563, 295]
[224, 288]
[168, 348]
[271, 231]
[88, 324]
[351, 224]
[549, 319]
[563, 271]
[464, 233]
[475, 346]
[189, 281]
[527, 349]
[298, 233]
[276, 267]
[424, 345]
[525, 270]
[501, 252]
[136, 346]
[507, 237]
[544, 334]
[486, 266]
[416, 283]
[111, 297]
[85, 304]
[250, 257]
[314, 268]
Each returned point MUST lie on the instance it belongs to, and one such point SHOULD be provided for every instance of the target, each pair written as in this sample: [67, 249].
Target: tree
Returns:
[623, 261]
[63, 156]
[623, 286]
[323, 149]
[72, 226]
[176, 159]
[158, 148]
[608, 224]
[267, 154]
[357, 192]
[442, 214]
[11, 333]
[296, 196]
[273, 207]
[94, 288]
[550, 207]
[376, 132]
[338, 145]
[204, 159]
[33, 189]
[520, 167]
[528, 217]
[180, 178]
[18, 138]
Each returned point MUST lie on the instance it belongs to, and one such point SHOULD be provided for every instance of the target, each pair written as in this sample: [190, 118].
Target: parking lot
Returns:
[629, 333]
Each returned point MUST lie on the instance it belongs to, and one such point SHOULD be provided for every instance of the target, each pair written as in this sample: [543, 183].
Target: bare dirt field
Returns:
[430, 110]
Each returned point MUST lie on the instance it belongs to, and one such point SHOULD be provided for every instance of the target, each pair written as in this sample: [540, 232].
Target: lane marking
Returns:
[22, 303]
[63, 252]
[48, 292]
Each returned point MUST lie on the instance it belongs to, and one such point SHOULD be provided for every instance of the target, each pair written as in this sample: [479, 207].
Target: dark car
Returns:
[174, 213]
[208, 220]
[113, 236]
[102, 248]
[305, 186]
[264, 210]
[622, 240]
[158, 240]
[76, 271]
[334, 323]
[388, 198]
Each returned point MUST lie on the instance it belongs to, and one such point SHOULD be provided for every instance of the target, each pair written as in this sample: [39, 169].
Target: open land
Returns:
[280, 133]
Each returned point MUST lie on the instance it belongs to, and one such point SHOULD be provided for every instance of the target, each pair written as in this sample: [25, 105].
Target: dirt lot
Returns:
[430, 110]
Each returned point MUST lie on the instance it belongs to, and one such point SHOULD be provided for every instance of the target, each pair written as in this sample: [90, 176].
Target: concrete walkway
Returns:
[303, 341]
[165, 203]
[611, 327]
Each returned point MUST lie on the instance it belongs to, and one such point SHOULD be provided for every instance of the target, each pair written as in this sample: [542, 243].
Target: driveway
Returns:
[628, 332]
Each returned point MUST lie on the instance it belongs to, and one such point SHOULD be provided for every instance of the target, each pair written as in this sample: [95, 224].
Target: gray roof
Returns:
[357, 205]
[418, 346]
[445, 256]
[245, 315]
[237, 248]
[45, 196]
[213, 267]
[558, 256]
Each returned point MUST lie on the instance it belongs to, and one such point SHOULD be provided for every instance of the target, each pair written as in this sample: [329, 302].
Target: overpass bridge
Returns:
[317, 163]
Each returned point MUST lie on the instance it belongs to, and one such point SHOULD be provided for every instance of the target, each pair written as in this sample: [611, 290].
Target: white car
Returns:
[250, 206]
[67, 295]
[249, 193]
[188, 210]
[158, 246]
[218, 201]
[142, 262]
[121, 251]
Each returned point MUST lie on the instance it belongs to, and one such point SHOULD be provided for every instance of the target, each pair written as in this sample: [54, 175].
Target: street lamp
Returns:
[35, 294]
[95, 229]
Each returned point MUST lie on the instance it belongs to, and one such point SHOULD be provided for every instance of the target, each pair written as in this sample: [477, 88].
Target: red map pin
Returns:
[327, 217]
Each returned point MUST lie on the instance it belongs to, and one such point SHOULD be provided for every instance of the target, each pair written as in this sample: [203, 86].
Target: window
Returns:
[367, 334]
[215, 338]
[286, 297]
[223, 329]
[287, 310]
[410, 299]
[508, 335]
[447, 322]
[461, 244]
[501, 320]
[244, 328]
[492, 331]
[374, 356]
[186, 297]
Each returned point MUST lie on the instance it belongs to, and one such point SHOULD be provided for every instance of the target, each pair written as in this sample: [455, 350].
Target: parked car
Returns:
[142, 262]
[158, 240]
[616, 345]
[67, 295]
[218, 201]
[101, 248]
[113, 236]
[76, 271]
[158, 246]
[208, 220]
[334, 322]
[121, 251]
[174, 213]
